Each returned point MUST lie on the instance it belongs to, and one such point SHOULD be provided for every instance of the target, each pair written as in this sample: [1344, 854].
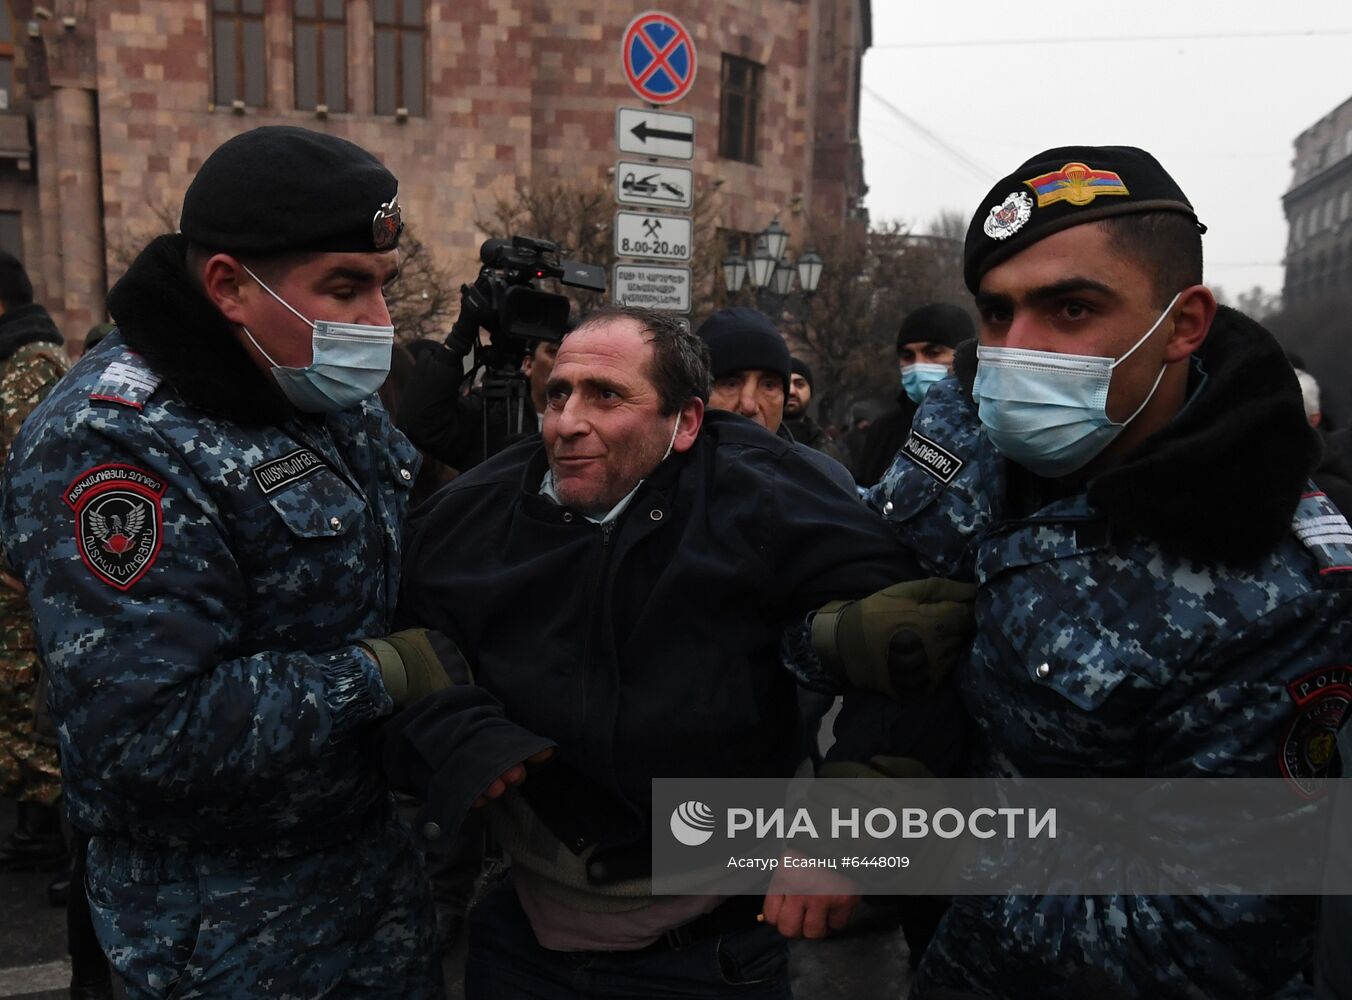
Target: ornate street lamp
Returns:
[762, 267]
[776, 239]
[783, 279]
[770, 270]
[809, 271]
[734, 273]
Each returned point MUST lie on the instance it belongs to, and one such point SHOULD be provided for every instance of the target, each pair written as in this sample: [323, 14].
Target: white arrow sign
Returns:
[655, 133]
[653, 184]
[666, 237]
[652, 286]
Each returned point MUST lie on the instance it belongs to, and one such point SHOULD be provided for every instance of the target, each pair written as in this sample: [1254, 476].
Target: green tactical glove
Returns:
[417, 662]
[900, 641]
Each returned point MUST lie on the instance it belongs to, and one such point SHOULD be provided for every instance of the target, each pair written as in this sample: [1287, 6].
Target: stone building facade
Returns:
[115, 103]
[1319, 212]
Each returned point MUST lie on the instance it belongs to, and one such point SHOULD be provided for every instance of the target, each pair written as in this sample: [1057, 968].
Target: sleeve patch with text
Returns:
[119, 523]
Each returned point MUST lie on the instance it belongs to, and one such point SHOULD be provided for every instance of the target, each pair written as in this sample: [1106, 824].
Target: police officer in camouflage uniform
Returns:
[31, 360]
[1124, 472]
[207, 515]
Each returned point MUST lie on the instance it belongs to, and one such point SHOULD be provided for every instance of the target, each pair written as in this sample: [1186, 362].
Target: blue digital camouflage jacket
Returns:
[198, 583]
[1103, 651]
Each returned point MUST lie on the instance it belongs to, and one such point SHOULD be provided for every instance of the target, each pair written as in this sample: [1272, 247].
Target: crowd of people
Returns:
[257, 608]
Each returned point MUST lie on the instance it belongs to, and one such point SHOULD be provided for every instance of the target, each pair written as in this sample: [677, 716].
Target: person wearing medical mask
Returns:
[207, 513]
[1123, 469]
[925, 344]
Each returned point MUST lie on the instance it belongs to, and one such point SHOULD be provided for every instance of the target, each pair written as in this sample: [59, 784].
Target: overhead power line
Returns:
[1093, 39]
[952, 151]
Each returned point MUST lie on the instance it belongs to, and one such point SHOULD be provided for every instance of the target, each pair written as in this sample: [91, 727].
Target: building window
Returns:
[1345, 207]
[11, 232]
[399, 56]
[239, 52]
[321, 54]
[1328, 214]
[740, 109]
[734, 241]
[6, 57]
[1298, 230]
[1347, 143]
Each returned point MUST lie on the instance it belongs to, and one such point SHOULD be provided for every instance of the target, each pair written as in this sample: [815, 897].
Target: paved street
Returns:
[33, 961]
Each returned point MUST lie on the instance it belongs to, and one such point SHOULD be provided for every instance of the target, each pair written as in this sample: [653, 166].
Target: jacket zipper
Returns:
[598, 603]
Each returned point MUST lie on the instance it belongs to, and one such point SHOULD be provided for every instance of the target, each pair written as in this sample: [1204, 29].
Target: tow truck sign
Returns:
[653, 184]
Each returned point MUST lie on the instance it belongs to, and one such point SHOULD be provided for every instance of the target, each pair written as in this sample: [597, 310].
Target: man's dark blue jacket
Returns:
[644, 649]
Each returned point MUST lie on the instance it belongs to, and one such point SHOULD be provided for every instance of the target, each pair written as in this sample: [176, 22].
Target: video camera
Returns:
[503, 299]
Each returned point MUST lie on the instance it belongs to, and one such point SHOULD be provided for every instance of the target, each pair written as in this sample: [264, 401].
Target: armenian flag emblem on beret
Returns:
[1076, 183]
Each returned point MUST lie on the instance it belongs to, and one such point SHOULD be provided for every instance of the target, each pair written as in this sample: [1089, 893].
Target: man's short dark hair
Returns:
[1168, 245]
[680, 365]
[15, 288]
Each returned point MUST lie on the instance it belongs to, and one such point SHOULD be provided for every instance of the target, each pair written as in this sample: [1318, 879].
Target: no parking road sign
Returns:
[659, 57]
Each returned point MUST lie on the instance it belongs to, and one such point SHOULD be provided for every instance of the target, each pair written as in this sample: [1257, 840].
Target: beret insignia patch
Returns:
[1009, 216]
[119, 523]
[387, 225]
[1076, 183]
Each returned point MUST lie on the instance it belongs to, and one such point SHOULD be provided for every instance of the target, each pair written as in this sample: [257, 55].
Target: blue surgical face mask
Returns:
[916, 379]
[1048, 412]
[350, 362]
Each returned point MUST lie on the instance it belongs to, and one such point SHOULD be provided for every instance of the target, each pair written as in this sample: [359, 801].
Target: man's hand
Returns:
[12, 583]
[809, 902]
[514, 775]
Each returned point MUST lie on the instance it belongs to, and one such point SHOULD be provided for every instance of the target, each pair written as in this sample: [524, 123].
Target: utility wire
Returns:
[1232, 36]
[957, 154]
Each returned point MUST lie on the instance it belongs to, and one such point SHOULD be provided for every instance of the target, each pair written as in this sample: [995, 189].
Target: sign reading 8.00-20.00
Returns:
[662, 237]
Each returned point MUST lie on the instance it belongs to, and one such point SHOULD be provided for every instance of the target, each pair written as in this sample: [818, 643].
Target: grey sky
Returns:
[1219, 113]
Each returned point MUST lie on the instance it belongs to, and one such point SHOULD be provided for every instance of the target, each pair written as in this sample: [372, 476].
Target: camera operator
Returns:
[442, 411]
[538, 364]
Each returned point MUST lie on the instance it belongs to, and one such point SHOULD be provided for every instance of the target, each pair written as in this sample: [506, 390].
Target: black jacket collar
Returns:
[26, 324]
[1222, 480]
[170, 323]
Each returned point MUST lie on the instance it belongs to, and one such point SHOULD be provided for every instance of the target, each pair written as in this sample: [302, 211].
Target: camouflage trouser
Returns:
[29, 768]
[354, 920]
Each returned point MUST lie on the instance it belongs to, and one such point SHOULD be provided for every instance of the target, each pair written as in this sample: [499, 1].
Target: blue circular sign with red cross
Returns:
[659, 57]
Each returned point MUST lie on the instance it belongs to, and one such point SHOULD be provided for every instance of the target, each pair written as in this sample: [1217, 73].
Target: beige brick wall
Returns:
[515, 88]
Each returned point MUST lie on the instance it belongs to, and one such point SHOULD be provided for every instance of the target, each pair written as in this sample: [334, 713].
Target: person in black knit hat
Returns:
[751, 367]
[925, 345]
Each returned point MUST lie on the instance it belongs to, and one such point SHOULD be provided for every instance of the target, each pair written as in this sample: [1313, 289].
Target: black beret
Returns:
[741, 339]
[281, 188]
[938, 323]
[798, 366]
[1065, 187]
